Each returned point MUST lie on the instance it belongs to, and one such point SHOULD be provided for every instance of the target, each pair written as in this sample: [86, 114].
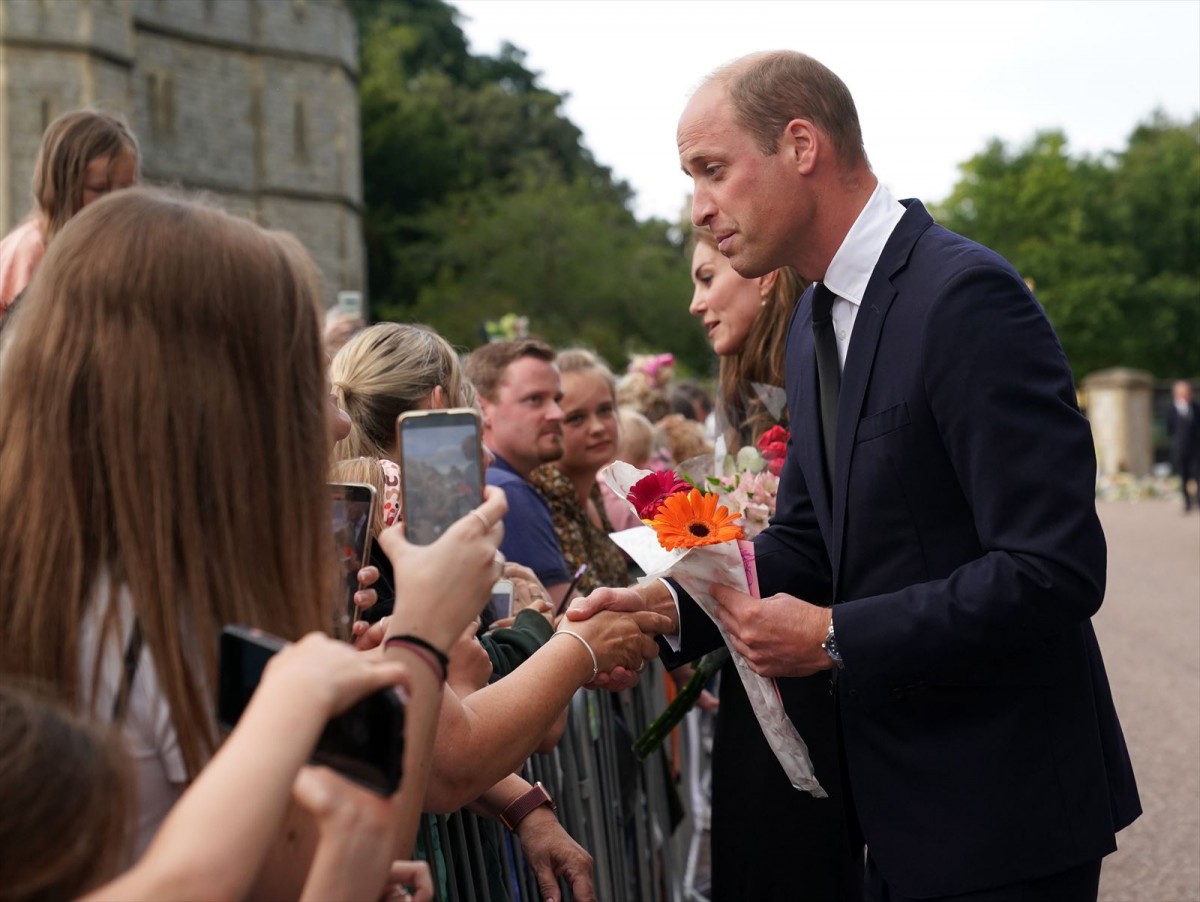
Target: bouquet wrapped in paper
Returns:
[693, 539]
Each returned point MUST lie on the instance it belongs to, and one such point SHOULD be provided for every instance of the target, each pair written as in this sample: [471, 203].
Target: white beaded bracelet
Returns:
[561, 631]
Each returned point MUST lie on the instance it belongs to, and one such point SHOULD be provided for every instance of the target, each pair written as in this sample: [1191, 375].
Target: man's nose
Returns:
[703, 209]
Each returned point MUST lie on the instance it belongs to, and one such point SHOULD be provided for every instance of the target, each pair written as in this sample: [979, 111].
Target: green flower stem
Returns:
[708, 667]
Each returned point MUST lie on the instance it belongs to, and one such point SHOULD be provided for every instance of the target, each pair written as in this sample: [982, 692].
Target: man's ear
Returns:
[767, 283]
[804, 142]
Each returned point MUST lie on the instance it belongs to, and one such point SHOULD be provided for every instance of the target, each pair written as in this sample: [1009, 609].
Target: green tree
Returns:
[1105, 241]
[481, 199]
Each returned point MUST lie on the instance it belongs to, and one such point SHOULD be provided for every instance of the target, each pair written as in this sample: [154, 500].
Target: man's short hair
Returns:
[485, 365]
[769, 90]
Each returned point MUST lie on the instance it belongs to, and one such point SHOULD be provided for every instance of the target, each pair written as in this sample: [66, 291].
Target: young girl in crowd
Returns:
[84, 155]
[589, 441]
[152, 404]
[68, 829]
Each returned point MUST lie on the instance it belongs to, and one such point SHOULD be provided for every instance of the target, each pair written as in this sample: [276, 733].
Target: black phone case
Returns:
[365, 743]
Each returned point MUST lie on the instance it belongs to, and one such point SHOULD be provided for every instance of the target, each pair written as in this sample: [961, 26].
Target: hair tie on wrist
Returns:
[562, 631]
[437, 659]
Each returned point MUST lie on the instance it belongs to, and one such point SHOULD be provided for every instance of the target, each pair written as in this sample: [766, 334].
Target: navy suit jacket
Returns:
[960, 545]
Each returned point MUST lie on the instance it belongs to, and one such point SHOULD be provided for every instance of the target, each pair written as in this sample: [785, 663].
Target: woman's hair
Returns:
[683, 438]
[581, 360]
[384, 371]
[68, 791]
[635, 444]
[740, 413]
[69, 144]
[163, 429]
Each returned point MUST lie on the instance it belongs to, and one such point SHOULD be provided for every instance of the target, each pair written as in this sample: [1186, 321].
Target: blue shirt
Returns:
[529, 536]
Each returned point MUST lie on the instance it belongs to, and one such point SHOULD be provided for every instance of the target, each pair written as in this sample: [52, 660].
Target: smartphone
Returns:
[441, 469]
[502, 599]
[353, 516]
[365, 743]
[350, 304]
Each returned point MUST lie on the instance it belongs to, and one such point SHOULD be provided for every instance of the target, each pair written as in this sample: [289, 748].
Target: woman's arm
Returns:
[215, 839]
[488, 734]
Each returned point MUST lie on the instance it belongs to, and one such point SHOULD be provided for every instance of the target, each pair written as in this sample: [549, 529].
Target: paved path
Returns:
[1149, 628]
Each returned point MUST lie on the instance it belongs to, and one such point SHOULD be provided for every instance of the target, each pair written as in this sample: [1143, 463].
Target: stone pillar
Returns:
[1120, 408]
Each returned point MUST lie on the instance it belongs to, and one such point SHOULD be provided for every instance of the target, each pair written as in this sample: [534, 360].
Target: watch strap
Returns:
[517, 810]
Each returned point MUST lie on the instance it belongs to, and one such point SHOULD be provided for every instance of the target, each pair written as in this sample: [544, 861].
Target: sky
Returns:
[934, 81]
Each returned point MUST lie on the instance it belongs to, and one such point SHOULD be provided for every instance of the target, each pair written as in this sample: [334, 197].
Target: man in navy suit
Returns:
[936, 545]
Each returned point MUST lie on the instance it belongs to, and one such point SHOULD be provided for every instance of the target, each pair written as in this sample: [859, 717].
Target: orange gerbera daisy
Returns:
[694, 519]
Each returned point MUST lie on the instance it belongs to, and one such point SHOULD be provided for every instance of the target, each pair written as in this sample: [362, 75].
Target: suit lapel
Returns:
[881, 293]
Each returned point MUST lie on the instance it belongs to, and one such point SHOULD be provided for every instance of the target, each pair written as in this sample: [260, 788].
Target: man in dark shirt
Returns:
[519, 392]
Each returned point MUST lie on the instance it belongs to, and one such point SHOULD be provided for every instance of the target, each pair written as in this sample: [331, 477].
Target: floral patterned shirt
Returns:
[581, 540]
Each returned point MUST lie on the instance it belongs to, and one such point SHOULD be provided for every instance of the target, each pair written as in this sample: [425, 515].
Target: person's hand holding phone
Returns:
[330, 676]
[441, 587]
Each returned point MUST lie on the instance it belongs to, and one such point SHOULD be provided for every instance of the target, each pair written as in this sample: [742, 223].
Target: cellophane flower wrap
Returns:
[695, 569]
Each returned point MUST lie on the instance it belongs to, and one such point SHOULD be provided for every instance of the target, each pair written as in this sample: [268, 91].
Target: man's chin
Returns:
[548, 454]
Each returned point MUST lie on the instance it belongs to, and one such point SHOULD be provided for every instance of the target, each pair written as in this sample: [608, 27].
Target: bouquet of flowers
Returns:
[690, 536]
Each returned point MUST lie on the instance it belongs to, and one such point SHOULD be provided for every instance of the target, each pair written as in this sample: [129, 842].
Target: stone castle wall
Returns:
[253, 102]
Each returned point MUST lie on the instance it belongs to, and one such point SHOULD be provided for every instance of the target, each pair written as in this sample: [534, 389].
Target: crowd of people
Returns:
[927, 581]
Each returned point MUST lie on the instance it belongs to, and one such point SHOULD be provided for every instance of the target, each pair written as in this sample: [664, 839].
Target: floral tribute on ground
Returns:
[696, 540]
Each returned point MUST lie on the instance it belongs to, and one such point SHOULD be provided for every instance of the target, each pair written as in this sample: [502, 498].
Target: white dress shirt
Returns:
[851, 267]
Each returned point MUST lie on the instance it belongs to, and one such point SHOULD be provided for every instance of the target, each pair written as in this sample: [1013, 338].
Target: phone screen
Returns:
[441, 470]
[350, 304]
[500, 604]
[353, 512]
[364, 743]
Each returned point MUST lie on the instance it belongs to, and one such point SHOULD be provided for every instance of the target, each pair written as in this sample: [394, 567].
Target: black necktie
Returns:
[829, 374]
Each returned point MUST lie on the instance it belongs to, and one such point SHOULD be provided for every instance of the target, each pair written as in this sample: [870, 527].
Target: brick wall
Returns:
[252, 101]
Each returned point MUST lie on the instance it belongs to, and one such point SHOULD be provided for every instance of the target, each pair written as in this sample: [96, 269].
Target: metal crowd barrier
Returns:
[616, 807]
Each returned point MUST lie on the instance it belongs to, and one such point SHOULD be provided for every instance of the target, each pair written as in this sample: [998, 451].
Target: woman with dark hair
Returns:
[765, 832]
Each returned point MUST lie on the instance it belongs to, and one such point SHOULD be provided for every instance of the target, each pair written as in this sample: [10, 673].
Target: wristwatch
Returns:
[517, 810]
[831, 648]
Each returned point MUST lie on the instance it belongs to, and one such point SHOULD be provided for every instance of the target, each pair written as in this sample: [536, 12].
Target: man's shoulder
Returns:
[524, 500]
[498, 476]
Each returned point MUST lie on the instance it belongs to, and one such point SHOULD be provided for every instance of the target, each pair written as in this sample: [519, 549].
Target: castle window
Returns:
[210, 9]
[299, 8]
[47, 112]
[160, 102]
[299, 132]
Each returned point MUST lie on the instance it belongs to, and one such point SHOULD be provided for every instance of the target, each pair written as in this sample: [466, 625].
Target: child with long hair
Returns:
[161, 386]
[84, 155]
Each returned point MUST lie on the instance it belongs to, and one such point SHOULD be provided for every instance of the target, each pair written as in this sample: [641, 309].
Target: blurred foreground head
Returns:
[161, 385]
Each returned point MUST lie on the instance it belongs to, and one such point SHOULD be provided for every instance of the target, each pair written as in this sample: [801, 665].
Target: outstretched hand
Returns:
[653, 597]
